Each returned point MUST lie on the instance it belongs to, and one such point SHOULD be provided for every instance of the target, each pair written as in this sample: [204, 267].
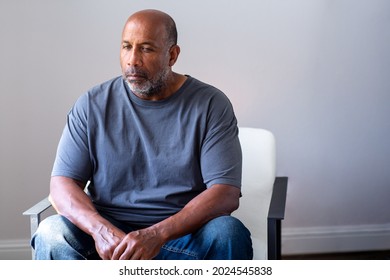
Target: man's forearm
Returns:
[219, 200]
[70, 200]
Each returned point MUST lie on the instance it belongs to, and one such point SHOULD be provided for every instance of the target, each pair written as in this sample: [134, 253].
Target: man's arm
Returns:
[70, 200]
[218, 200]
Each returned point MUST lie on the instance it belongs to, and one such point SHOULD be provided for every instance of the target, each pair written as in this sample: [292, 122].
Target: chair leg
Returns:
[34, 222]
[274, 239]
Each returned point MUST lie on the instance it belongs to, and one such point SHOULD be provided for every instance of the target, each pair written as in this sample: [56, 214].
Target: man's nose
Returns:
[135, 58]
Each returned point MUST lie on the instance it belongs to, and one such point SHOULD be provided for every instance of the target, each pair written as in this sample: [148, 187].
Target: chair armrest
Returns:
[38, 208]
[275, 216]
[35, 213]
[278, 199]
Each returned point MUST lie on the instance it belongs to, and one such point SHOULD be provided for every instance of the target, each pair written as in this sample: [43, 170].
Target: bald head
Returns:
[156, 19]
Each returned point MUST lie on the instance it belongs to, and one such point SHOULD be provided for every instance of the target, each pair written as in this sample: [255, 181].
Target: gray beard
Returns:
[149, 88]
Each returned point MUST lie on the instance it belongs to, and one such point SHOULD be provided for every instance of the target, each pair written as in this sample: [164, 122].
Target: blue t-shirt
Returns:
[147, 159]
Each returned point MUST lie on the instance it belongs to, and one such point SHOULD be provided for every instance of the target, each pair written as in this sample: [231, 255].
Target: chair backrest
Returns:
[258, 176]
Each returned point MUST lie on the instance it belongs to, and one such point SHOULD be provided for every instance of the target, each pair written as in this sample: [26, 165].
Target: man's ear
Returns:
[174, 54]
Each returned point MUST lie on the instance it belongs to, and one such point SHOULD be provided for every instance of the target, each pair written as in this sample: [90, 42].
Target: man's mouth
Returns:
[135, 76]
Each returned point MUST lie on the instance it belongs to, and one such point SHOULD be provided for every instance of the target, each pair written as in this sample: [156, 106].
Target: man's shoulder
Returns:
[208, 92]
[98, 95]
[195, 82]
[203, 89]
[109, 85]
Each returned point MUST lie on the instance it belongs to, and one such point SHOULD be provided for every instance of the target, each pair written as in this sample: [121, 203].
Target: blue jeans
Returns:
[223, 238]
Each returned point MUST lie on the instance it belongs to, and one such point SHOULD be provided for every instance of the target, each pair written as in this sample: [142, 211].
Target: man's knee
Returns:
[227, 227]
[49, 229]
[58, 238]
[229, 234]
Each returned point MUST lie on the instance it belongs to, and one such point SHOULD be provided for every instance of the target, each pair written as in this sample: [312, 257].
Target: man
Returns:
[161, 152]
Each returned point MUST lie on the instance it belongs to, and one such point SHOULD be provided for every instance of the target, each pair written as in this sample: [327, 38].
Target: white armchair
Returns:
[262, 204]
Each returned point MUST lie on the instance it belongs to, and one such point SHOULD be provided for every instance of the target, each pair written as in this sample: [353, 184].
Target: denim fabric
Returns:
[223, 238]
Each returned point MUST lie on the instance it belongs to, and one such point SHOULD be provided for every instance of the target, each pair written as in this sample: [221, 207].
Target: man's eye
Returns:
[147, 49]
[126, 47]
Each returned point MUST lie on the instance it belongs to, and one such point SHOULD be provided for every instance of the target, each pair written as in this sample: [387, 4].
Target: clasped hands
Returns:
[113, 244]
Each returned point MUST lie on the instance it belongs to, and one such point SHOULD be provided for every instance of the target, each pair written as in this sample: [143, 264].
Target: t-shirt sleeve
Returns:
[72, 158]
[221, 158]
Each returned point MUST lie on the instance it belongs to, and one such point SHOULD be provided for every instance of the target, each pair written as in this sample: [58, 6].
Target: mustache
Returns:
[133, 71]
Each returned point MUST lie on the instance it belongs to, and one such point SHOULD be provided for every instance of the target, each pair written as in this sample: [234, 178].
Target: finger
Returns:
[104, 254]
[119, 251]
[136, 255]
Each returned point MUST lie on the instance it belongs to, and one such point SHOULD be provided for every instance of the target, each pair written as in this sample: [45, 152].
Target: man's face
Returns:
[145, 57]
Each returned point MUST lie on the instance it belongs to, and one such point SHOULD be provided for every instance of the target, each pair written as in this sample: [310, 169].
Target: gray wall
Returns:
[315, 73]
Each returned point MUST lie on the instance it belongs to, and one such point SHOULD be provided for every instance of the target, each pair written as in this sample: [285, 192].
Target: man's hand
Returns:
[146, 243]
[142, 244]
[106, 241]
